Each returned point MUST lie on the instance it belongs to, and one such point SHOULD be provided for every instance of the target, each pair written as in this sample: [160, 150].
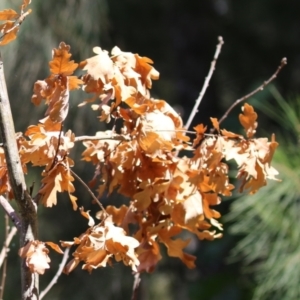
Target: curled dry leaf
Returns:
[248, 120]
[36, 255]
[55, 89]
[100, 244]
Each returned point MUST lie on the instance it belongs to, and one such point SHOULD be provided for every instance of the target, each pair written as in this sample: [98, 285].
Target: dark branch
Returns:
[259, 89]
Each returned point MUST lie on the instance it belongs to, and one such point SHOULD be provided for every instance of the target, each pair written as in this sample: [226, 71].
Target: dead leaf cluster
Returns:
[167, 193]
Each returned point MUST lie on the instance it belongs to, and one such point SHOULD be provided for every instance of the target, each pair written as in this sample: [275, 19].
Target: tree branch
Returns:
[206, 83]
[58, 273]
[10, 212]
[24, 201]
[5, 250]
[7, 242]
[99, 138]
[259, 89]
[89, 191]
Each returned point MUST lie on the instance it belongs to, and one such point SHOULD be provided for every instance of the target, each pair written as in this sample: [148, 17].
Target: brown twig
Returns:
[58, 273]
[136, 284]
[10, 212]
[89, 191]
[206, 83]
[98, 138]
[259, 89]
[57, 148]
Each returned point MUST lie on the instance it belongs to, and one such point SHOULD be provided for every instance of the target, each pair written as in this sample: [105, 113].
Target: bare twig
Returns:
[58, 273]
[89, 191]
[136, 284]
[8, 240]
[99, 138]
[57, 148]
[10, 212]
[206, 83]
[5, 249]
[259, 89]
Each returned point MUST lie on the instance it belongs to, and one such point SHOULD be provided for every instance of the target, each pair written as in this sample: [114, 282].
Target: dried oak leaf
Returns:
[25, 4]
[200, 130]
[99, 244]
[8, 14]
[121, 216]
[5, 184]
[99, 66]
[248, 120]
[135, 68]
[149, 255]
[36, 255]
[215, 123]
[61, 64]
[43, 145]
[58, 179]
[175, 246]
[8, 31]
[55, 89]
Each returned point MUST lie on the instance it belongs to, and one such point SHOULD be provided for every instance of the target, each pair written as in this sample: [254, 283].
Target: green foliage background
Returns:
[180, 36]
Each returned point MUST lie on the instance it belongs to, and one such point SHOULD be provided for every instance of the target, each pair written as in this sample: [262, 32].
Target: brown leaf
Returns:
[248, 120]
[100, 66]
[175, 246]
[8, 14]
[215, 123]
[61, 64]
[8, 32]
[36, 254]
[54, 247]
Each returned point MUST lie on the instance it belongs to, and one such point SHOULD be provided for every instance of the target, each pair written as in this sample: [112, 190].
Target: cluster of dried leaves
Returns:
[167, 194]
[11, 22]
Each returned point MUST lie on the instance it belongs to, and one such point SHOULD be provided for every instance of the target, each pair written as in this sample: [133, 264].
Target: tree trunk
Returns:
[27, 207]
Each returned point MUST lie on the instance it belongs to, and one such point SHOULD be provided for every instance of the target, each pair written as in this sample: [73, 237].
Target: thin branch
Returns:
[89, 191]
[206, 83]
[99, 138]
[136, 284]
[4, 250]
[58, 273]
[259, 89]
[18, 23]
[57, 148]
[10, 212]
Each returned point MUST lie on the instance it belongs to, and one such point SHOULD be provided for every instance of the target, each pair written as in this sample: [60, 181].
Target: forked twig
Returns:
[58, 273]
[260, 88]
[206, 83]
[89, 191]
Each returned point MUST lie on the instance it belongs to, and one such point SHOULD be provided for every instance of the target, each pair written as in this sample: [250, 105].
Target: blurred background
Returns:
[259, 255]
